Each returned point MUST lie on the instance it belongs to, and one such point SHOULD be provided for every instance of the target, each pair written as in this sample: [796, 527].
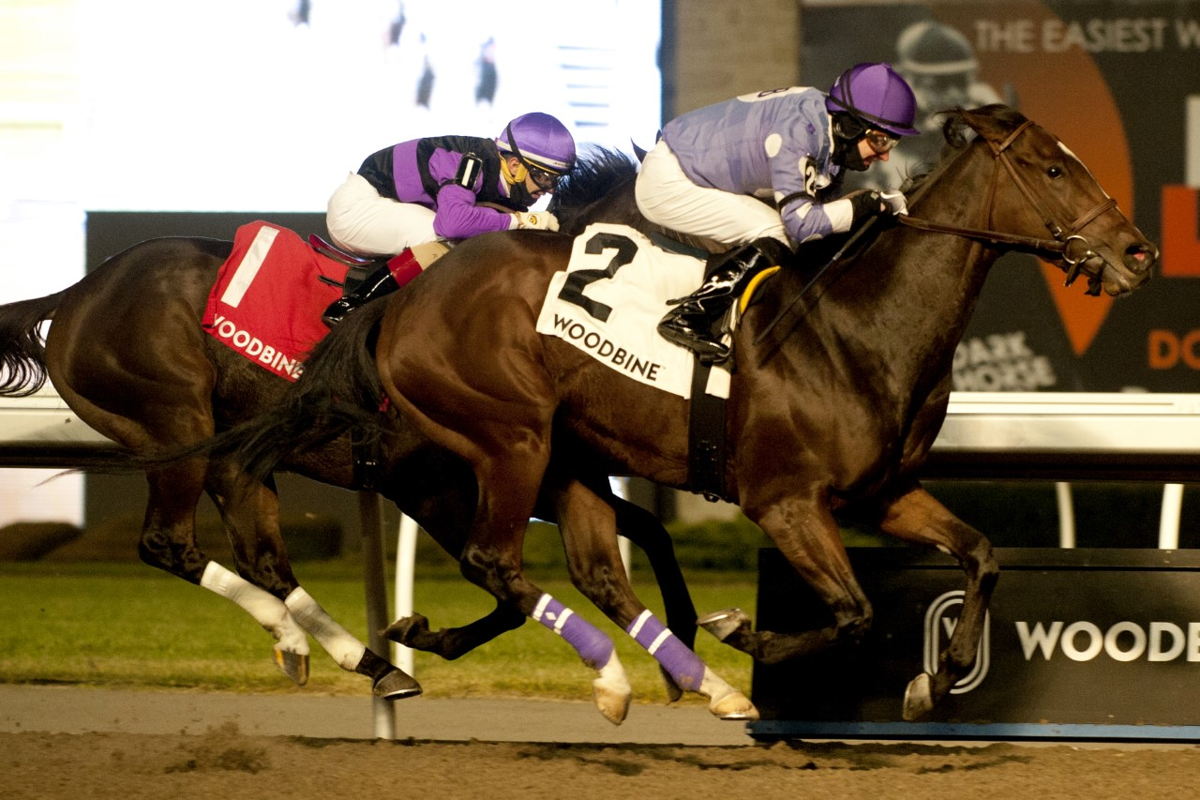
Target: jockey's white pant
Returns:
[361, 220]
[666, 196]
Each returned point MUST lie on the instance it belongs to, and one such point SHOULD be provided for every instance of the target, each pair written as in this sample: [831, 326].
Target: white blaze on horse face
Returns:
[1079, 161]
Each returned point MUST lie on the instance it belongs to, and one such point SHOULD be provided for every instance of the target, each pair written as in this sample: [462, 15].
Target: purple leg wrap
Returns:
[683, 665]
[588, 640]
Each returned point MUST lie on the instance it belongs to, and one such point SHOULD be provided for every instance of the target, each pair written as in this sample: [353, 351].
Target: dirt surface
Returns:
[224, 762]
[60, 742]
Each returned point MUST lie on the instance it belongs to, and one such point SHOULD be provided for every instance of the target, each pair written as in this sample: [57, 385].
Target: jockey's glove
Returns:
[868, 203]
[894, 202]
[534, 220]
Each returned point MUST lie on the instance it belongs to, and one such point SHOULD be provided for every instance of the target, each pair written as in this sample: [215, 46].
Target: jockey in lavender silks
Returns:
[761, 172]
[444, 188]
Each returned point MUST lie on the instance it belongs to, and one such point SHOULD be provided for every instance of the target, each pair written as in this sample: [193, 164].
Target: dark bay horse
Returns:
[840, 390]
[126, 351]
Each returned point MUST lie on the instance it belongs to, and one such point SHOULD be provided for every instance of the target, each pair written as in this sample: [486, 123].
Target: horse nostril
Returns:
[1140, 257]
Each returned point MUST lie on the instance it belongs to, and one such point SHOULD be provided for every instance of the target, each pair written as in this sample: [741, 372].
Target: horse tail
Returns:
[23, 346]
[339, 393]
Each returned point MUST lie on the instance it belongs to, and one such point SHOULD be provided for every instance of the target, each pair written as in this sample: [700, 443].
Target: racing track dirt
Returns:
[224, 762]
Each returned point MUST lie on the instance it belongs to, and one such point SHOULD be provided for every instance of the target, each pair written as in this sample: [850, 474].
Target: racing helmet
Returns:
[875, 94]
[540, 141]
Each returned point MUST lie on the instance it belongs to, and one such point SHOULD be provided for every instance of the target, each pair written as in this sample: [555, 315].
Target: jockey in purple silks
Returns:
[444, 187]
[761, 172]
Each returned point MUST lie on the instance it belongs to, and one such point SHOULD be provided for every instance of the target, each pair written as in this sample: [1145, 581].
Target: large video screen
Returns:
[265, 105]
[228, 105]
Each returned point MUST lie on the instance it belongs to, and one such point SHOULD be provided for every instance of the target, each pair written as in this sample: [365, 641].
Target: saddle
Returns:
[360, 266]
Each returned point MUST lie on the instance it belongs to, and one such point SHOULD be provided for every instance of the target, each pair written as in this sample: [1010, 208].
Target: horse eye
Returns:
[1055, 172]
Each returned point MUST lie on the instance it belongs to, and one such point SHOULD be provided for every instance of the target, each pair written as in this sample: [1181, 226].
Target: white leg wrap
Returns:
[337, 641]
[266, 609]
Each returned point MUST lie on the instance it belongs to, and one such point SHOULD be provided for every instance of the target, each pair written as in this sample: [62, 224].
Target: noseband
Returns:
[1068, 245]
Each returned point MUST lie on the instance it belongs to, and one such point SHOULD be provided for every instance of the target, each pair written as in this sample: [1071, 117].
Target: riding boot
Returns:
[377, 284]
[693, 322]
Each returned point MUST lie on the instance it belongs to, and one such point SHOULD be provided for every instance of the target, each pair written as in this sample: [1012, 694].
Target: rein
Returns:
[1063, 241]
[1059, 247]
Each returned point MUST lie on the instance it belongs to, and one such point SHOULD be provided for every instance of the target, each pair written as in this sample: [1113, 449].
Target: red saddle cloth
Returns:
[269, 296]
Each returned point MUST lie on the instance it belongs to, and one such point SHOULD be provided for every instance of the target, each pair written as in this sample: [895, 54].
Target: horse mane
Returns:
[598, 174]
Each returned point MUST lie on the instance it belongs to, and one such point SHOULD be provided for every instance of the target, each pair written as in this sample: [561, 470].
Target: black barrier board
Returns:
[1088, 643]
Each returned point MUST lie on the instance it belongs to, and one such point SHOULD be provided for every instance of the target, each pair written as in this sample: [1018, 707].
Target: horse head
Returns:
[1039, 187]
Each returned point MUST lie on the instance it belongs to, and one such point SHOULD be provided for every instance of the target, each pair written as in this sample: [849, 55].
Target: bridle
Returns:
[1068, 244]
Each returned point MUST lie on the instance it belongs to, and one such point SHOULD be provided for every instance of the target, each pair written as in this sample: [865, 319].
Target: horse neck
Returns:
[905, 301]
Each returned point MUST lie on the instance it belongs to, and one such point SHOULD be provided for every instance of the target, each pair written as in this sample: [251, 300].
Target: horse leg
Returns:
[250, 518]
[644, 529]
[452, 643]
[588, 526]
[250, 513]
[492, 560]
[168, 542]
[809, 538]
[443, 502]
[917, 517]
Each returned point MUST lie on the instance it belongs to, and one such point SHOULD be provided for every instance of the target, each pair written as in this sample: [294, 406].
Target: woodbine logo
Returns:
[256, 349]
[940, 621]
[1123, 641]
[1046, 641]
[603, 349]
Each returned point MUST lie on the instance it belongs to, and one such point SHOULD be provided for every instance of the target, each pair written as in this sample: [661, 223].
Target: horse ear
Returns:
[956, 130]
[993, 122]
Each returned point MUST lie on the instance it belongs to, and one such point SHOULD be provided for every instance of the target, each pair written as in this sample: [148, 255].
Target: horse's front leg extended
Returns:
[917, 517]
[588, 527]
[808, 537]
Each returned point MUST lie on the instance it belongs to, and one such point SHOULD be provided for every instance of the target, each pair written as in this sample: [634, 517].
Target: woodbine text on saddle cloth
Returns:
[610, 298]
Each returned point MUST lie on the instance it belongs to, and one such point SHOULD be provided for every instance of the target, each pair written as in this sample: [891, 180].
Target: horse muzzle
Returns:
[1114, 275]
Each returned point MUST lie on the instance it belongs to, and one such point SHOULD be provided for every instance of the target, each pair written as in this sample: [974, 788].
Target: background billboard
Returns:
[1119, 82]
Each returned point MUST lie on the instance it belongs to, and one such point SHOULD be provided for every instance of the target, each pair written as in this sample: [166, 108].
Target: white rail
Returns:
[1060, 436]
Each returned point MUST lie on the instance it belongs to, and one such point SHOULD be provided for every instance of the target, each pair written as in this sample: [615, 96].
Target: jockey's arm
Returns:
[457, 216]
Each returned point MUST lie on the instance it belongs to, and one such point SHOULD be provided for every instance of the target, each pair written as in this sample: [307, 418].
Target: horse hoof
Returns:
[734, 706]
[918, 698]
[723, 623]
[612, 703]
[396, 685]
[611, 690]
[294, 665]
[406, 630]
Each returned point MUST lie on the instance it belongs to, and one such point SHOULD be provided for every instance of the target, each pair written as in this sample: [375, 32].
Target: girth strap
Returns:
[706, 436]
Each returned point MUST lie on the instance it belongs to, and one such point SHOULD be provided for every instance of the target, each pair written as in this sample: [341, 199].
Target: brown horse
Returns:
[840, 390]
[126, 351]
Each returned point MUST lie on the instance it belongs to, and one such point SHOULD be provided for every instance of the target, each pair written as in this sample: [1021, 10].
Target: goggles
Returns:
[880, 141]
[546, 181]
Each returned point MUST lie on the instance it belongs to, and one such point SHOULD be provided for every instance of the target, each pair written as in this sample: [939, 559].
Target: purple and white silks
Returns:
[683, 665]
[593, 646]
